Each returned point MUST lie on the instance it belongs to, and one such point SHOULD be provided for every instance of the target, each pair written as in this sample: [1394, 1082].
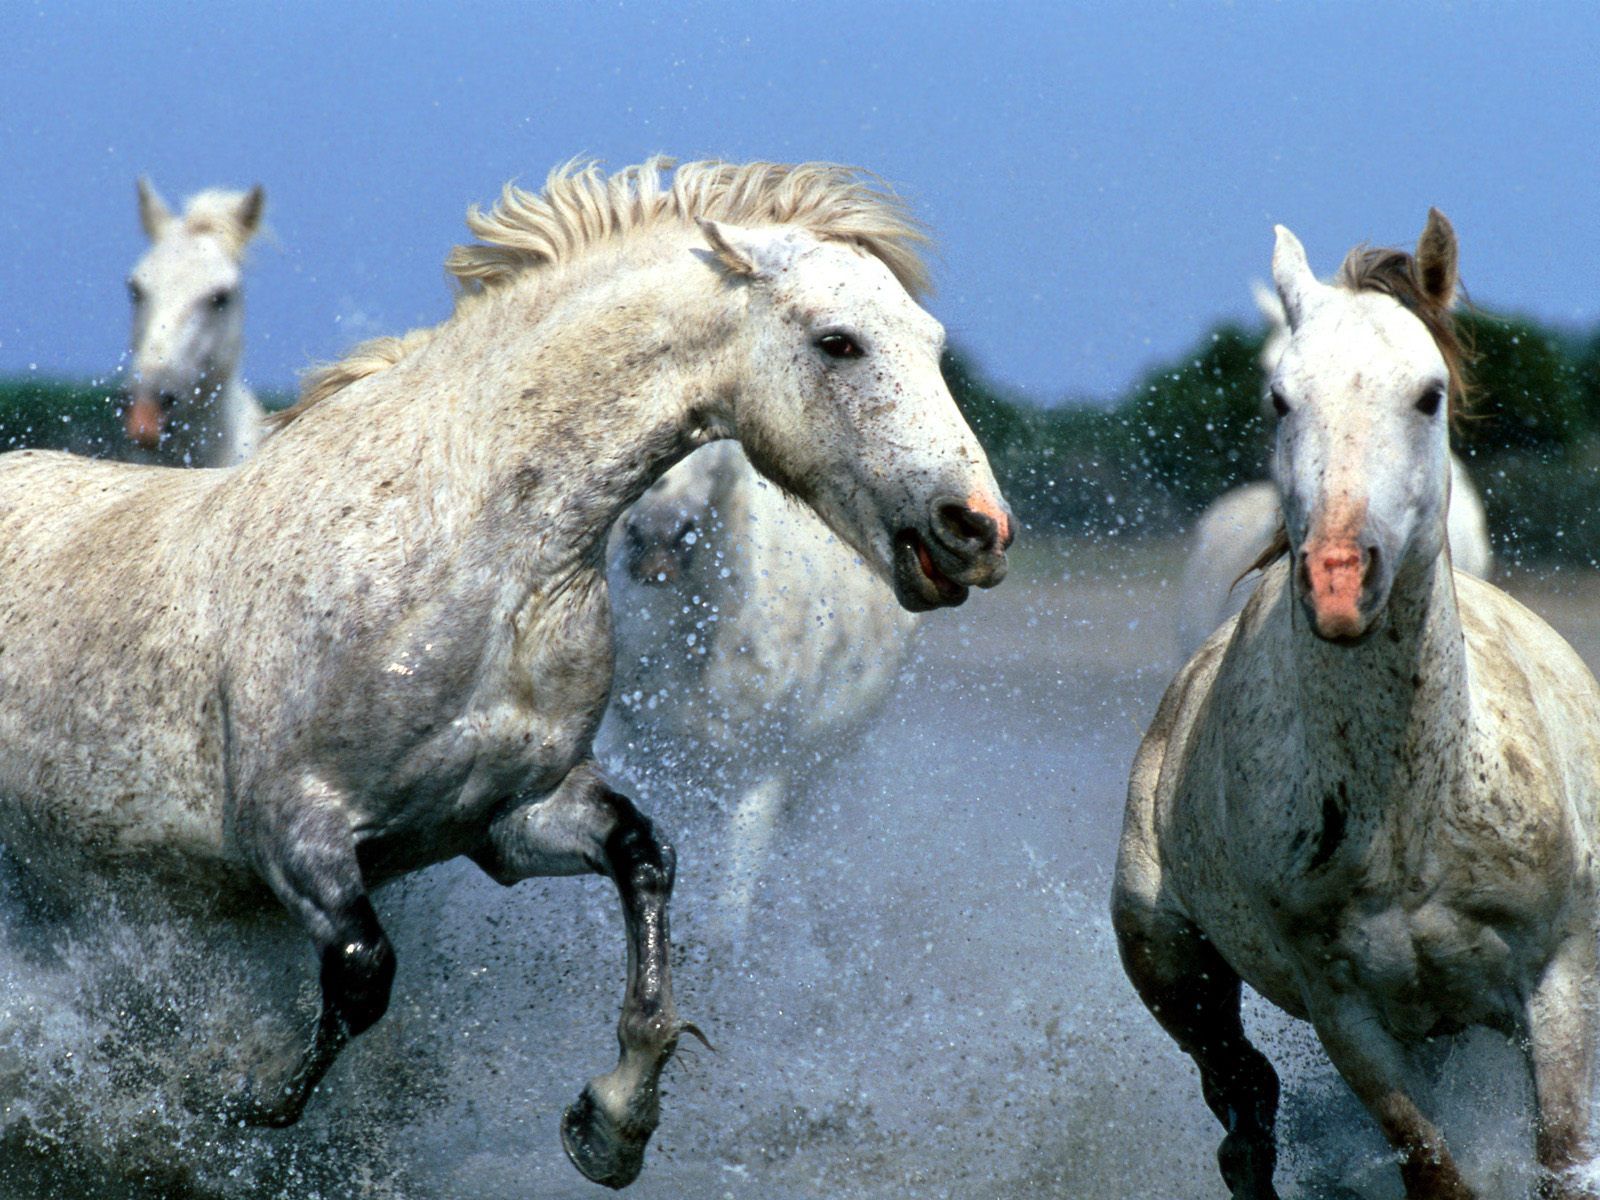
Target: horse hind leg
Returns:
[1195, 997]
[585, 826]
[313, 869]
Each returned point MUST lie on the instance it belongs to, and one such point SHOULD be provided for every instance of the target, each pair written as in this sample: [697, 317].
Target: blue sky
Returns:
[1102, 178]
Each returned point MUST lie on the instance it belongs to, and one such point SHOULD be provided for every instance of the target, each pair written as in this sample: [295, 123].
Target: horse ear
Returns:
[1268, 304]
[1436, 259]
[154, 214]
[752, 253]
[1292, 275]
[250, 210]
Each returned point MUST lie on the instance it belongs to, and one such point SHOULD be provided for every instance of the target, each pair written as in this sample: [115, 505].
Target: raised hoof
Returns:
[606, 1151]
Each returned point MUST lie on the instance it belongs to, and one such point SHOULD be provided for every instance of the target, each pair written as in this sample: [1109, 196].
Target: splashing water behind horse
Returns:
[753, 647]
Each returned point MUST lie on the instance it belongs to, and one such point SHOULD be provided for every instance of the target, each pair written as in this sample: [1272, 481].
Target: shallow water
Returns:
[926, 1001]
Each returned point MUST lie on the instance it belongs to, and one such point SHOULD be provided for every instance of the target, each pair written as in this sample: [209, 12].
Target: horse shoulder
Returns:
[1533, 781]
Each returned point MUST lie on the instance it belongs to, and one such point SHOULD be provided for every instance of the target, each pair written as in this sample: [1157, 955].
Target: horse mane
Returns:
[1393, 272]
[581, 207]
[215, 211]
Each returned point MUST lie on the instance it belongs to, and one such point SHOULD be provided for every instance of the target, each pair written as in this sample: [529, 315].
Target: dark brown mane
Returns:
[1395, 273]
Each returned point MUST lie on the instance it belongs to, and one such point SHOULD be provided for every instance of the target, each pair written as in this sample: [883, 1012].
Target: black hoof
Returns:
[605, 1151]
[1247, 1164]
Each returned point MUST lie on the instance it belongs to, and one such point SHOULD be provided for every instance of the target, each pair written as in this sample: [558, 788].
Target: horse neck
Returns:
[1377, 715]
[529, 422]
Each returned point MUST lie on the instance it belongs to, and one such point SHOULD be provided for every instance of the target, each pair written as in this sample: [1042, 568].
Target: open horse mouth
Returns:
[918, 580]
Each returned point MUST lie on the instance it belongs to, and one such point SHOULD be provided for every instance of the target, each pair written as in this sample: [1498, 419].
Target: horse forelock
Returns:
[215, 212]
[1394, 273]
[581, 207]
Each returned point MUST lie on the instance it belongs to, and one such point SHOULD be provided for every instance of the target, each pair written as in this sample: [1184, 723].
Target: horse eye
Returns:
[1429, 403]
[135, 292]
[1279, 404]
[221, 298]
[839, 345]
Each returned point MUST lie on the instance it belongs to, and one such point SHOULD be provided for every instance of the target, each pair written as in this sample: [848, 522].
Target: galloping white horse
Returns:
[384, 640]
[1373, 796]
[1237, 527]
[752, 644]
[186, 403]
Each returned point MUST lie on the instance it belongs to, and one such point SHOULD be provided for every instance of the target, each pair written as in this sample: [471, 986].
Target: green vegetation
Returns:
[1185, 433]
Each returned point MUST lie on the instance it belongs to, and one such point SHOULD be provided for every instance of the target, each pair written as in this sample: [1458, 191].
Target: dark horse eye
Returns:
[1279, 404]
[839, 345]
[1430, 400]
[221, 298]
[135, 292]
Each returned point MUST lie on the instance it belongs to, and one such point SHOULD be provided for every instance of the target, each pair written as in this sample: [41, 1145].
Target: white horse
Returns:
[1373, 796]
[751, 643]
[1238, 526]
[384, 640]
[186, 405]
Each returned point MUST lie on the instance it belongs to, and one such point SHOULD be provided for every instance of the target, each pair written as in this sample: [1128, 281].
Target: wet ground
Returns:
[925, 1003]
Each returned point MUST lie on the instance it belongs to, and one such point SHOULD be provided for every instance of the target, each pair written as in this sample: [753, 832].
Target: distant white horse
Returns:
[384, 640]
[1373, 797]
[1238, 526]
[752, 643]
[186, 404]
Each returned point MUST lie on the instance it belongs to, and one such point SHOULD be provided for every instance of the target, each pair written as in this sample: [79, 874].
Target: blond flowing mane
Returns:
[581, 207]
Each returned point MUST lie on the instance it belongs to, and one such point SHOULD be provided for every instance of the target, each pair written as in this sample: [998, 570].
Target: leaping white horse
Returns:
[752, 644]
[1237, 527]
[1374, 798]
[186, 405]
[384, 640]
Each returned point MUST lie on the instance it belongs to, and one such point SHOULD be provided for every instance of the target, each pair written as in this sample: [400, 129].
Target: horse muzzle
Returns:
[1343, 584]
[146, 417]
[964, 547]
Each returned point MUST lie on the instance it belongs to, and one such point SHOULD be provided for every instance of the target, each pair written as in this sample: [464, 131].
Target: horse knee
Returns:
[358, 973]
[641, 861]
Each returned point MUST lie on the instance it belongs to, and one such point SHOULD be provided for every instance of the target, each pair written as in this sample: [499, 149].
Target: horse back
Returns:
[110, 730]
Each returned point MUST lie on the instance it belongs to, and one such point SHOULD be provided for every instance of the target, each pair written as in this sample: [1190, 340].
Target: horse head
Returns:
[844, 405]
[188, 310]
[1363, 392]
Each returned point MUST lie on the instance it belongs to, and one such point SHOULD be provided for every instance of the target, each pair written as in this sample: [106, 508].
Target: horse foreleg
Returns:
[1194, 994]
[1375, 1067]
[309, 861]
[585, 826]
[1561, 1031]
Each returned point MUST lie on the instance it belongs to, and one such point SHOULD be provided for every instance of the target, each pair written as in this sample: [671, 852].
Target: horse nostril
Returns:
[168, 399]
[967, 525]
[1371, 570]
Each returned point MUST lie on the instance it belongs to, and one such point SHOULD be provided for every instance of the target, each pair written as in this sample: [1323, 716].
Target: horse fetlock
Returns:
[357, 977]
[655, 1033]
